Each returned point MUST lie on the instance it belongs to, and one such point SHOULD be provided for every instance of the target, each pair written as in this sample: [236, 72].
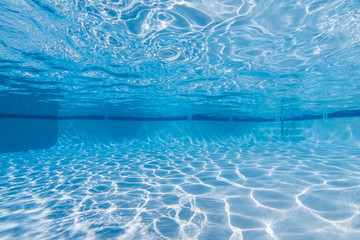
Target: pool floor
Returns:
[172, 190]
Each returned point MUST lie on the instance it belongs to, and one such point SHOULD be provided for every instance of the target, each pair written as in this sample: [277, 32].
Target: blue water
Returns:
[242, 58]
[173, 119]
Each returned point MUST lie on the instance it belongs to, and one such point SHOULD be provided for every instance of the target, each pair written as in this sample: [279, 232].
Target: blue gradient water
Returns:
[70, 170]
[169, 58]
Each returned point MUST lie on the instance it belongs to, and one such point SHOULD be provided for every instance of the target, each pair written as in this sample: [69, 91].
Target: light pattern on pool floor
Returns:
[162, 190]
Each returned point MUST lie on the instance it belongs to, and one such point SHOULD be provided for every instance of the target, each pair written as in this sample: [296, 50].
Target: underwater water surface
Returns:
[239, 58]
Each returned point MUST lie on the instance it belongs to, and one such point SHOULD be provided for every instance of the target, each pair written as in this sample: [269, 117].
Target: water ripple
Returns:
[249, 45]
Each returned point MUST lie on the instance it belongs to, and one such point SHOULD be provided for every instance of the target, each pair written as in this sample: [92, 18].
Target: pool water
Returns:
[243, 184]
[180, 119]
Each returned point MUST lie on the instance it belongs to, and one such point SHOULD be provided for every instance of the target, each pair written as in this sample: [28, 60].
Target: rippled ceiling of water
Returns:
[169, 58]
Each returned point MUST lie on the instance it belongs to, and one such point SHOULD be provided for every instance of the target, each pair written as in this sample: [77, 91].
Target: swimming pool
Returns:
[179, 119]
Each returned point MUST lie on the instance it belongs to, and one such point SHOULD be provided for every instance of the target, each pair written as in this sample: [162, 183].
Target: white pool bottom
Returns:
[182, 188]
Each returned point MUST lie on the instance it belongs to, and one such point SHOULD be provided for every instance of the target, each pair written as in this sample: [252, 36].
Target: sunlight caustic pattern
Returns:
[174, 190]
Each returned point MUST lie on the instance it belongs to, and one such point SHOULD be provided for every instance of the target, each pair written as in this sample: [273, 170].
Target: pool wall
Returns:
[343, 130]
[32, 134]
[27, 134]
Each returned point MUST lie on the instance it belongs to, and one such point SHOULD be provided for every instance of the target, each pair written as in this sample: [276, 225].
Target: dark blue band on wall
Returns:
[197, 117]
